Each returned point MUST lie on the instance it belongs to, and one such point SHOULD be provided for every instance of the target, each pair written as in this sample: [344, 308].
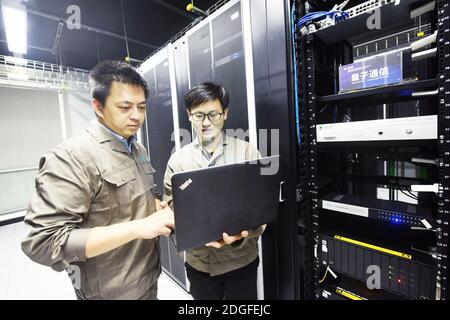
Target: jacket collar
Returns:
[224, 141]
[102, 135]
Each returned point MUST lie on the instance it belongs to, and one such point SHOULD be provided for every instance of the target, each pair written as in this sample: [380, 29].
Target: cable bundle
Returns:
[318, 15]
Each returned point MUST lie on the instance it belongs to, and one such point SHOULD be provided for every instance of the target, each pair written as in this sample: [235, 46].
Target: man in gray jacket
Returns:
[94, 210]
[226, 268]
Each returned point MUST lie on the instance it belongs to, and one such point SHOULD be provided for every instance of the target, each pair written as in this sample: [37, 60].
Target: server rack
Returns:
[340, 248]
[158, 140]
[242, 44]
[207, 51]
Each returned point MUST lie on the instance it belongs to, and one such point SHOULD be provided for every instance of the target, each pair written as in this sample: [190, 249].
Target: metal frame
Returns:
[444, 148]
[310, 101]
[304, 194]
[18, 170]
[307, 194]
[173, 88]
[425, 28]
[41, 75]
[10, 217]
[363, 8]
[57, 38]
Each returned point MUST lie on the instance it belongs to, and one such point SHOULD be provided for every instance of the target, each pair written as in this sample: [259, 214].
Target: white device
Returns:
[425, 187]
[424, 41]
[424, 54]
[425, 93]
[410, 128]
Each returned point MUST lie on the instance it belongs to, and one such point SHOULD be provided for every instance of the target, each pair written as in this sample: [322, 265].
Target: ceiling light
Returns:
[15, 22]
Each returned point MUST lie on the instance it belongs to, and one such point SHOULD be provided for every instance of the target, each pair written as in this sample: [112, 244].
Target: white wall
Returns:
[31, 125]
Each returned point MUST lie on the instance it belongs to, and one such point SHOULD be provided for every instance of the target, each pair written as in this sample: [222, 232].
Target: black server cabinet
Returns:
[159, 124]
[273, 94]
[229, 63]
[158, 138]
[216, 53]
[180, 53]
[198, 56]
[347, 243]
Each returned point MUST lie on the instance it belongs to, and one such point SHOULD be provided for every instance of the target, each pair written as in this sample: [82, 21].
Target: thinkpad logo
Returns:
[186, 184]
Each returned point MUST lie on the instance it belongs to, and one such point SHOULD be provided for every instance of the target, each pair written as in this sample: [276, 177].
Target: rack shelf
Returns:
[394, 93]
[390, 15]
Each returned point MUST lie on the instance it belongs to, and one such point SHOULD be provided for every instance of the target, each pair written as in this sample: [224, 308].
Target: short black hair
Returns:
[103, 74]
[204, 92]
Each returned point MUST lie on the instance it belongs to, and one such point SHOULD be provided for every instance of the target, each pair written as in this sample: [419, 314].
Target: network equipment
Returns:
[399, 271]
[408, 128]
[395, 212]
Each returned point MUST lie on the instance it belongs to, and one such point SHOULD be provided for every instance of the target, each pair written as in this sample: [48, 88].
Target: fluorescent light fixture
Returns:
[17, 61]
[15, 22]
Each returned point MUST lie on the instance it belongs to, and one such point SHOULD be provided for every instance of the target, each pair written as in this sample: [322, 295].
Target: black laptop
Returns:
[226, 198]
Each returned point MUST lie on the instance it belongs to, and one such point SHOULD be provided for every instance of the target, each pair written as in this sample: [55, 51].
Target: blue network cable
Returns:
[297, 120]
[336, 15]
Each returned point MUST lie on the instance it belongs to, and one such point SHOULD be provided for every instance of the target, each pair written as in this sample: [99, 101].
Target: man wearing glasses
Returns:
[226, 268]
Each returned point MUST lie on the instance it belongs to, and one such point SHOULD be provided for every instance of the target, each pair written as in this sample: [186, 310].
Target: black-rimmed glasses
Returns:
[212, 116]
